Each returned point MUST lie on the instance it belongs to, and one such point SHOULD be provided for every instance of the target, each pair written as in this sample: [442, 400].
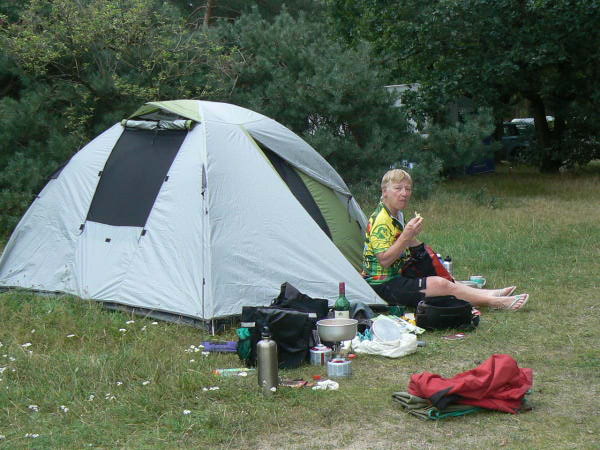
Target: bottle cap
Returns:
[266, 333]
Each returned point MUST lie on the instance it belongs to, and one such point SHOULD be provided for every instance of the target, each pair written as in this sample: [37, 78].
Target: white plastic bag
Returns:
[405, 345]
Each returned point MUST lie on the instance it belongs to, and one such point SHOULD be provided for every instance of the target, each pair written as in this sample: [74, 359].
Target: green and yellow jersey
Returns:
[382, 231]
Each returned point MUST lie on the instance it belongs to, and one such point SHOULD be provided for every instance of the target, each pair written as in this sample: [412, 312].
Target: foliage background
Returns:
[495, 53]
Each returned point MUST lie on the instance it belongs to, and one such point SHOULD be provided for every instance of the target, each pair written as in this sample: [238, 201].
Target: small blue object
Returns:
[220, 347]
[366, 336]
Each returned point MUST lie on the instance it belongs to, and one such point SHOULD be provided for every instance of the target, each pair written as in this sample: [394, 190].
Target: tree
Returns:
[331, 95]
[495, 52]
[72, 68]
[203, 13]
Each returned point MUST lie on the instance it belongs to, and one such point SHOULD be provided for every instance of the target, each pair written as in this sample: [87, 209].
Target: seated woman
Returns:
[387, 241]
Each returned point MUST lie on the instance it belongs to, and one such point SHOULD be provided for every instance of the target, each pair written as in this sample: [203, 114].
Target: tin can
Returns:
[319, 355]
[337, 368]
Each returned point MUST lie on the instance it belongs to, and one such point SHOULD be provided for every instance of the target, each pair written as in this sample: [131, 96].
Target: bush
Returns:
[461, 144]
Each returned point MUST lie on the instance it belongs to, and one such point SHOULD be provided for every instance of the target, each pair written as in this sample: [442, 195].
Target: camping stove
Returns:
[337, 331]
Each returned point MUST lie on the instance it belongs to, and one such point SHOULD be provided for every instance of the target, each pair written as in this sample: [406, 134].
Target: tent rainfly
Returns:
[189, 210]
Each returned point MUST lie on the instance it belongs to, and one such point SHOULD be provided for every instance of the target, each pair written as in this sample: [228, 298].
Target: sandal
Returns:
[499, 293]
[523, 298]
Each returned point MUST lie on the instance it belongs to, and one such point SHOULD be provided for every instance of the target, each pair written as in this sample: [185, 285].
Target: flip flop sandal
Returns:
[523, 298]
[508, 294]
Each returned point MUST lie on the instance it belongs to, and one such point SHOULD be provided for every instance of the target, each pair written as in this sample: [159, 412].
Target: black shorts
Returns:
[401, 290]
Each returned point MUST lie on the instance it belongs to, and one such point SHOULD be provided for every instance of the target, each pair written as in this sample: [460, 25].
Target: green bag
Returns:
[244, 346]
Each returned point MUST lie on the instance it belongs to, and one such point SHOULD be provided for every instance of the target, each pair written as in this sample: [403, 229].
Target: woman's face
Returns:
[397, 195]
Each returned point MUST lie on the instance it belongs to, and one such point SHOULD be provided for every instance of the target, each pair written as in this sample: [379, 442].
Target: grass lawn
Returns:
[74, 375]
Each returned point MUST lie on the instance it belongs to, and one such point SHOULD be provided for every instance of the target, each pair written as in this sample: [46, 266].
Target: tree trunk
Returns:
[549, 162]
[208, 12]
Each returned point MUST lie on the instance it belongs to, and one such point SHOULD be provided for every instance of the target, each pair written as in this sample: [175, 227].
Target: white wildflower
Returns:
[186, 412]
[205, 353]
[70, 335]
[154, 323]
[130, 321]
[34, 408]
[32, 435]
[196, 349]
[192, 360]
[119, 383]
[91, 397]
[33, 331]
[10, 358]
[109, 396]
[29, 352]
[144, 328]
[205, 389]
[63, 408]
[2, 369]
[214, 388]
[145, 383]
[243, 374]
[2, 437]
[25, 345]
[123, 330]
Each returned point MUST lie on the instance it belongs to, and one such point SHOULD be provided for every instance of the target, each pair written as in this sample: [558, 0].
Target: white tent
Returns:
[190, 209]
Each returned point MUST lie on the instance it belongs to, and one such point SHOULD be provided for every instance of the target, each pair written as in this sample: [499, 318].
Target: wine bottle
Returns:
[341, 307]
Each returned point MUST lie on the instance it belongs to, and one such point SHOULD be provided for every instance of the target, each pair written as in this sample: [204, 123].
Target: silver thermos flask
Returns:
[266, 354]
[448, 264]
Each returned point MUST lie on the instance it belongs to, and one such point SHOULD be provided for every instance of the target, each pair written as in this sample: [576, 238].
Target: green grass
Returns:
[540, 232]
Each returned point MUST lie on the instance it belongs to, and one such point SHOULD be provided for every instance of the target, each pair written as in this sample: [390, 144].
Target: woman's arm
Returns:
[405, 240]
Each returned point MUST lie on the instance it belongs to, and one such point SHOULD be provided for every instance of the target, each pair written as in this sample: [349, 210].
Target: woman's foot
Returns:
[513, 303]
[505, 292]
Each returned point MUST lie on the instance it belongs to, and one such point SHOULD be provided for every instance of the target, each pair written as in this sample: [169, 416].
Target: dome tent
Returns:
[191, 209]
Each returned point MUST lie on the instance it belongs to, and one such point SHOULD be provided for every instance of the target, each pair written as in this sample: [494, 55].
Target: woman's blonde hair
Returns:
[394, 176]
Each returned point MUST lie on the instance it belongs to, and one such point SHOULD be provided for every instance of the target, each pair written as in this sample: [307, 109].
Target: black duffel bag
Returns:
[292, 319]
[291, 298]
[445, 312]
[291, 330]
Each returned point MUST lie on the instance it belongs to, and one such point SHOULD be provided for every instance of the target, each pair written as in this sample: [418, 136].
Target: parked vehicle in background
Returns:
[526, 122]
[516, 140]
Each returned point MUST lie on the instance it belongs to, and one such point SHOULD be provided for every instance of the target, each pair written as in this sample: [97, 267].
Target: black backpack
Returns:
[445, 312]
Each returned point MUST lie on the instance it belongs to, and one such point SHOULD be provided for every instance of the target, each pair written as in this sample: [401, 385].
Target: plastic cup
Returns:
[480, 280]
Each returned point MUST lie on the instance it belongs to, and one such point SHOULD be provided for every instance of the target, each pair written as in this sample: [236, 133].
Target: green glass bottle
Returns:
[341, 308]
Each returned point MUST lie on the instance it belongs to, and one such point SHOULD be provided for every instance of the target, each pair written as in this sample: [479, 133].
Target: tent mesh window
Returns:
[133, 176]
[298, 188]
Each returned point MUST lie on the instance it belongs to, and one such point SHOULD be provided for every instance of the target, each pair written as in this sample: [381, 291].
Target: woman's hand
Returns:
[413, 228]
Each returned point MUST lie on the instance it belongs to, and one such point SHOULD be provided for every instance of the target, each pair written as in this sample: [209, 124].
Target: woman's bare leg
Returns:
[437, 286]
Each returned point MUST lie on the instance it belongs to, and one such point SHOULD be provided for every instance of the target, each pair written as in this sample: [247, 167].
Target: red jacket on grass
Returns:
[498, 383]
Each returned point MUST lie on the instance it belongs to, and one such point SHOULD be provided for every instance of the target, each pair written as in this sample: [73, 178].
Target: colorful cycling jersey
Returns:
[382, 231]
